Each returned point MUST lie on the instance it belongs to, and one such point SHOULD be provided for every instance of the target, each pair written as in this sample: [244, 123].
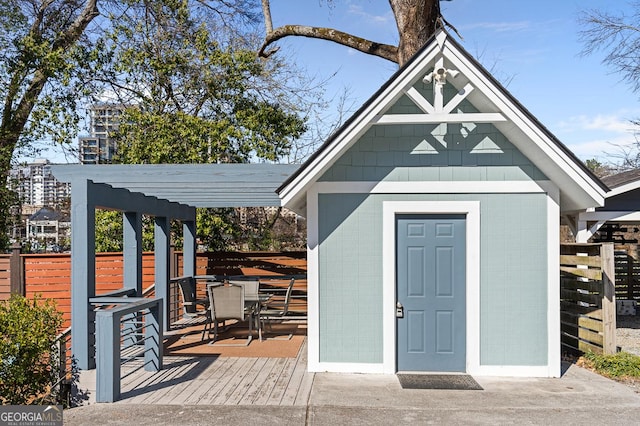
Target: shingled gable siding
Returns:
[398, 153]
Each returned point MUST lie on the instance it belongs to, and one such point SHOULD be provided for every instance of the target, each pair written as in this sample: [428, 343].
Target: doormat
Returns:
[438, 381]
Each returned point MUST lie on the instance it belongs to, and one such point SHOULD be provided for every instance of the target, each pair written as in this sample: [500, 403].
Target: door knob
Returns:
[399, 310]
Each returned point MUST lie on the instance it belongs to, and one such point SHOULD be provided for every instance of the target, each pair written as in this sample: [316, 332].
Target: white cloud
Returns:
[618, 122]
[370, 18]
[604, 150]
[601, 136]
[500, 27]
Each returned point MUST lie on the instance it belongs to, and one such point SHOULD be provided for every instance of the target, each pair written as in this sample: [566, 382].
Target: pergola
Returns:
[167, 192]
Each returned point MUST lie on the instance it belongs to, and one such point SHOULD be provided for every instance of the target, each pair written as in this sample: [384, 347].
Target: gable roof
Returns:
[47, 214]
[579, 187]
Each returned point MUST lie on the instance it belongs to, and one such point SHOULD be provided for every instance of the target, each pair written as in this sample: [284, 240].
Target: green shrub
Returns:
[622, 364]
[28, 330]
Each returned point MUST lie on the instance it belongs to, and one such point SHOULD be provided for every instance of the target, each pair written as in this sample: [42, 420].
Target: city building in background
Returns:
[99, 147]
[48, 230]
[39, 191]
[36, 186]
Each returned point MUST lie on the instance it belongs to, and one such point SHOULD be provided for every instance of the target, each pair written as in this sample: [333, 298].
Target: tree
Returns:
[619, 37]
[417, 20]
[598, 169]
[193, 94]
[55, 56]
[196, 91]
[41, 45]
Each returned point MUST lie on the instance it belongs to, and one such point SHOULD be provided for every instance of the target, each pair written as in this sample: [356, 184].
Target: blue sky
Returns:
[531, 46]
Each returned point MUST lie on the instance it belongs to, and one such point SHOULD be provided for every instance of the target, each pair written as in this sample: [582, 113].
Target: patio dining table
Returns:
[256, 304]
[250, 301]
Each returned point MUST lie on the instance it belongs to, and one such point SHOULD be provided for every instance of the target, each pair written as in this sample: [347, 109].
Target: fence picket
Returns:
[587, 297]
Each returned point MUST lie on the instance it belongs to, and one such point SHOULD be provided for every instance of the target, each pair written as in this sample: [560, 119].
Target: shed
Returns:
[433, 227]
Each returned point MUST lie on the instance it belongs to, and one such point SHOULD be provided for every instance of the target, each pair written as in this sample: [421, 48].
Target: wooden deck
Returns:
[210, 380]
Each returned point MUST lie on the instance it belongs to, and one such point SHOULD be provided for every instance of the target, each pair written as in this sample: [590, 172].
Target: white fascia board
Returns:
[564, 164]
[613, 216]
[553, 284]
[579, 191]
[313, 282]
[437, 118]
[627, 187]
[352, 133]
[439, 187]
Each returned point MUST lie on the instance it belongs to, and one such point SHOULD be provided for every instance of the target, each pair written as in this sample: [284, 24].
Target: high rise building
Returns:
[36, 186]
[99, 147]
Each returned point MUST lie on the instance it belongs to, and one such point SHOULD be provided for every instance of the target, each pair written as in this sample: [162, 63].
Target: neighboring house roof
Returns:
[47, 214]
[622, 182]
[579, 187]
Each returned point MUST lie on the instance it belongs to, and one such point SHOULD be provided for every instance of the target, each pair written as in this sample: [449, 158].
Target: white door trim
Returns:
[390, 209]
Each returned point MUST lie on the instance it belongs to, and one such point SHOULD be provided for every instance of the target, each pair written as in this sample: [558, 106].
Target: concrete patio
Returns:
[579, 397]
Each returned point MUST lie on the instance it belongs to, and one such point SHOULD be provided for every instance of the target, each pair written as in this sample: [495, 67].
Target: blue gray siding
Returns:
[627, 201]
[513, 293]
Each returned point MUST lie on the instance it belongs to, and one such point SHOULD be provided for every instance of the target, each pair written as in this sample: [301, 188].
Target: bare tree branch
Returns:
[266, 11]
[384, 51]
[75, 30]
[417, 21]
[618, 36]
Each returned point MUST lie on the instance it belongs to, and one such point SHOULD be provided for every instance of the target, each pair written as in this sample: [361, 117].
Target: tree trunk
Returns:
[18, 104]
[417, 21]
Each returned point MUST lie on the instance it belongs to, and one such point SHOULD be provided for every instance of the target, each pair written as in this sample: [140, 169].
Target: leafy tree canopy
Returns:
[193, 94]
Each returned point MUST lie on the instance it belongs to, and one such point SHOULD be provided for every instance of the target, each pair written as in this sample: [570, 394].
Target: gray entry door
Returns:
[431, 286]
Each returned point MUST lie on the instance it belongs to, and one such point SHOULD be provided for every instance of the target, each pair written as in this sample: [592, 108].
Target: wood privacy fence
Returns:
[50, 274]
[11, 273]
[250, 263]
[587, 298]
[627, 276]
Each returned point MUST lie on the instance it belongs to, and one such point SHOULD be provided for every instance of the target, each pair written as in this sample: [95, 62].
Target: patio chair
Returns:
[252, 298]
[226, 302]
[189, 301]
[251, 287]
[277, 310]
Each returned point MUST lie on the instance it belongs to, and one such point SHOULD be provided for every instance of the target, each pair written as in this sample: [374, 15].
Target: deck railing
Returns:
[130, 330]
[65, 369]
